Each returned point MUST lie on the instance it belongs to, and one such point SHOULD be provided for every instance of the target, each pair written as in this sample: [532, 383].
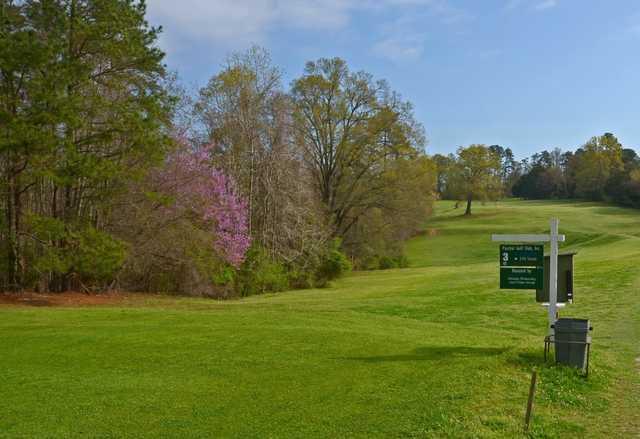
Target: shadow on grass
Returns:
[445, 219]
[529, 359]
[431, 353]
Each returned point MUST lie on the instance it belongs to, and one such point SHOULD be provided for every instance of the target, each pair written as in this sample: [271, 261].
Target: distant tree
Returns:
[624, 184]
[545, 176]
[443, 165]
[543, 159]
[597, 161]
[557, 158]
[476, 174]
[551, 183]
[599, 170]
[527, 185]
[631, 189]
[630, 159]
[509, 167]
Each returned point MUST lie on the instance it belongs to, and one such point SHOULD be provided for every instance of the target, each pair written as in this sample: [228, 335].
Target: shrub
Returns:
[334, 264]
[387, 262]
[403, 261]
[73, 253]
[259, 274]
[98, 255]
[301, 279]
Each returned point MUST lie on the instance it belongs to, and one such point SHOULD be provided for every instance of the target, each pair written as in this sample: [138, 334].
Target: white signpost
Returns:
[553, 239]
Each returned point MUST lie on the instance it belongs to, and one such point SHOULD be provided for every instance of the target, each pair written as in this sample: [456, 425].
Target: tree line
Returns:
[113, 176]
[600, 170]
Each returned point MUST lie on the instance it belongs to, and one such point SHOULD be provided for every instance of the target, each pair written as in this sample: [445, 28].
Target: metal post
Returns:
[532, 392]
[553, 274]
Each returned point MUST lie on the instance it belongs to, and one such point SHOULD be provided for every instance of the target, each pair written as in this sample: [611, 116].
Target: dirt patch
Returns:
[428, 232]
[61, 299]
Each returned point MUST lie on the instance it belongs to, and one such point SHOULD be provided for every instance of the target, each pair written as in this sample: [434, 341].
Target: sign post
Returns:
[514, 260]
[553, 274]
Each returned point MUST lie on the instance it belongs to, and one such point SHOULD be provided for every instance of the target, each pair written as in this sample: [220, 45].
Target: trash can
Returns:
[571, 337]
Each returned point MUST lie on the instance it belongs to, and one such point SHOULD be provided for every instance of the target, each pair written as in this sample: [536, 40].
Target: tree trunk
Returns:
[251, 177]
[468, 211]
[11, 255]
[13, 213]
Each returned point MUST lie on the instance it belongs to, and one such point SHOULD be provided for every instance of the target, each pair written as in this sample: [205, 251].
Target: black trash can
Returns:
[571, 338]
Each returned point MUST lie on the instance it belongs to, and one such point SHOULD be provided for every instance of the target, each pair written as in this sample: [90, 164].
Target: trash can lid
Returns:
[567, 324]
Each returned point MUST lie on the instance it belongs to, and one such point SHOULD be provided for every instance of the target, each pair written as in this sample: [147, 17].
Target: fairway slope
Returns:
[434, 350]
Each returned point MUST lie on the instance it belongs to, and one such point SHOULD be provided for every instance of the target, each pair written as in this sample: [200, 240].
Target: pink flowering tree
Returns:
[208, 194]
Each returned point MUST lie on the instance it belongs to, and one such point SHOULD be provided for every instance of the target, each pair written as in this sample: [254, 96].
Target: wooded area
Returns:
[113, 176]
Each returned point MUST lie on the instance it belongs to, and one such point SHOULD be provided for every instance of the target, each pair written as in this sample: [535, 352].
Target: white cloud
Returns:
[546, 4]
[229, 20]
[538, 5]
[234, 23]
[512, 4]
[403, 38]
[398, 49]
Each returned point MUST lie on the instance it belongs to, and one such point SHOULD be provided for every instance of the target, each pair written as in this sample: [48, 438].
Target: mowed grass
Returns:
[435, 350]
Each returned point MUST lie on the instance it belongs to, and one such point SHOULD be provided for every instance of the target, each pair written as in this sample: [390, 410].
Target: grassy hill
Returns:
[435, 350]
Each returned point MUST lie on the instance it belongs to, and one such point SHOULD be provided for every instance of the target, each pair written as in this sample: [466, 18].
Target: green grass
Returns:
[435, 350]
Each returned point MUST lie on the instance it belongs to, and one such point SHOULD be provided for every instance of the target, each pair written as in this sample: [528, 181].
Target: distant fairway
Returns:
[436, 350]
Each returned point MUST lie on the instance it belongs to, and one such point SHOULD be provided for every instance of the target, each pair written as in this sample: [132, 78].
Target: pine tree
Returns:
[82, 98]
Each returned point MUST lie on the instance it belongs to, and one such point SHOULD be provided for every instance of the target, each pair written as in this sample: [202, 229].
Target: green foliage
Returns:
[598, 160]
[260, 274]
[406, 199]
[84, 112]
[301, 278]
[356, 135]
[246, 113]
[476, 175]
[209, 269]
[333, 265]
[171, 254]
[75, 251]
[384, 262]
[97, 256]
[387, 262]
[599, 170]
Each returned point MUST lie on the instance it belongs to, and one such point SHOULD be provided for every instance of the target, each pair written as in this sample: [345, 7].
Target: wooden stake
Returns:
[532, 391]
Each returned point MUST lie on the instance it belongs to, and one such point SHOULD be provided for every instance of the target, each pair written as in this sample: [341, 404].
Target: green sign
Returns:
[521, 255]
[521, 278]
[521, 266]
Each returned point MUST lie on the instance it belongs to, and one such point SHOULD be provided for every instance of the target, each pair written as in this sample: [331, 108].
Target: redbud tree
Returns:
[208, 196]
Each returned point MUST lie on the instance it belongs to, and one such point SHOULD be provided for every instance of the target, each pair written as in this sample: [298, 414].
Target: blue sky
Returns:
[528, 74]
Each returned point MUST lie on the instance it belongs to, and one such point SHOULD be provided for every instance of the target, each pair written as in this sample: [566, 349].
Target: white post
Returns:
[553, 274]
